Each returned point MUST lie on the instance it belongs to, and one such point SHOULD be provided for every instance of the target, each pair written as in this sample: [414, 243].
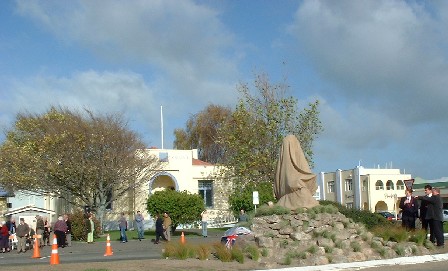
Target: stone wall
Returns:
[315, 239]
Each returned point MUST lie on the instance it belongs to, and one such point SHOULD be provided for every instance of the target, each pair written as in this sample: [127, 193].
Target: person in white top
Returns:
[204, 220]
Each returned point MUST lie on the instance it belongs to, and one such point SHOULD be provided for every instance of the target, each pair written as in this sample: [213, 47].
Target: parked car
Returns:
[445, 215]
[387, 215]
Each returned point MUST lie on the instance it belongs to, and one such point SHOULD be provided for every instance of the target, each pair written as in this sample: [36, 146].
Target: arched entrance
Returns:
[381, 206]
[161, 181]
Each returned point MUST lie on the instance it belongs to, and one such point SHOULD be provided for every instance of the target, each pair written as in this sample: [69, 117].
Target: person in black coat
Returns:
[438, 217]
[409, 210]
[424, 208]
[159, 229]
[434, 215]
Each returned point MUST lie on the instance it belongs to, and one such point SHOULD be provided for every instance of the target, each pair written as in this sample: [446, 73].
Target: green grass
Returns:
[237, 254]
[264, 252]
[355, 246]
[253, 252]
[222, 253]
[150, 234]
[115, 235]
[418, 236]
[399, 250]
[286, 261]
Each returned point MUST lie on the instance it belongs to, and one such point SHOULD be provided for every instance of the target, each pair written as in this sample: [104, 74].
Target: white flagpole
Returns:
[161, 121]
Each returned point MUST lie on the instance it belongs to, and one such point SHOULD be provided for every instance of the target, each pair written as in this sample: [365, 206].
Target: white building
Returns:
[371, 189]
[181, 170]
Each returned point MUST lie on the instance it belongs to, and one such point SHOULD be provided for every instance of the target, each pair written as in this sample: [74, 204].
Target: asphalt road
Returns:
[82, 252]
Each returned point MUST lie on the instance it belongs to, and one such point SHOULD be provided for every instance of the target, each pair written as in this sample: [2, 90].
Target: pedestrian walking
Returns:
[4, 237]
[47, 230]
[204, 221]
[159, 229]
[90, 227]
[167, 226]
[60, 228]
[22, 232]
[68, 233]
[139, 225]
[40, 228]
[123, 224]
[11, 224]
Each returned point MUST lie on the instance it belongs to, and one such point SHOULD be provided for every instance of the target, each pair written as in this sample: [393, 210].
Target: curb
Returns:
[375, 263]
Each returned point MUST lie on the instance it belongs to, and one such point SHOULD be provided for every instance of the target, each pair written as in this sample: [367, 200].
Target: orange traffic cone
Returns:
[182, 238]
[36, 251]
[54, 259]
[108, 247]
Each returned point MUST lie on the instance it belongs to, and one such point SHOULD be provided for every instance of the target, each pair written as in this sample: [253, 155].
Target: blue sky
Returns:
[379, 68]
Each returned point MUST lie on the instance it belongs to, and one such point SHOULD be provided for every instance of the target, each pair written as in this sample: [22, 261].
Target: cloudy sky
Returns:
[379, 68]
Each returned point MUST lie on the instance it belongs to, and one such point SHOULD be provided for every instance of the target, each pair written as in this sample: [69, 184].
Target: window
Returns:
[349, 205]
[400, 185]
[364, 185]
[331, 187]
[379, 185]
[205, 189]
[348, 185]
[389, 185]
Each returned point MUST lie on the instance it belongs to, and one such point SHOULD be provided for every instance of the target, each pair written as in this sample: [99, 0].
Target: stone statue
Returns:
[295, 184]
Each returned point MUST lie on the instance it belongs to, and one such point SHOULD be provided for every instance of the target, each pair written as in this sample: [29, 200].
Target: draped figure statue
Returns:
[295, 184]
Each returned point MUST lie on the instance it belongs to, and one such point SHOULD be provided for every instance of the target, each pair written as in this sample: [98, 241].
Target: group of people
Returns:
[430, 213]
[63, 229]
[163, 227]
[7, 228]
[23, 234]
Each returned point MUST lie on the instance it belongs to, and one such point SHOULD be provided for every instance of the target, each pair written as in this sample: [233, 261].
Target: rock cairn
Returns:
[307, 239]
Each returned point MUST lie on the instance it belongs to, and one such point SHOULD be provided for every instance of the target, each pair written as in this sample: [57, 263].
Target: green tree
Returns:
[249, 138]
[80, 225]
[201, 133]
[243, 198]
[86, 159]
[253, 134]
[183, 207]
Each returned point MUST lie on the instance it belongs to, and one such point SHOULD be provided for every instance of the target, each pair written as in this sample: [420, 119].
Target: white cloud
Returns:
[108, 92]
[385, 66]
[185, 42]
[358, 127]
[379, 52]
